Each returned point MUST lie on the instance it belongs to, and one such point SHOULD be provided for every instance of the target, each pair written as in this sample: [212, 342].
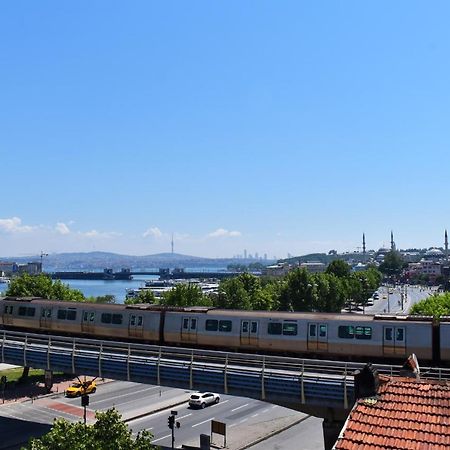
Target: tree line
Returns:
[299, 290]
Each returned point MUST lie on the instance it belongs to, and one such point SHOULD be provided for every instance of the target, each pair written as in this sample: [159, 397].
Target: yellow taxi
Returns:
[78, 389]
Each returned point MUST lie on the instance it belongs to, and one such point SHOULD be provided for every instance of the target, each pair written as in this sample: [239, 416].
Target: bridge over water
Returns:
[318, 387]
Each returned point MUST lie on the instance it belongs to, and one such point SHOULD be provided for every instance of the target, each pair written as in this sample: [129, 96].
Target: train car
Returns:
[136, 322]
[349, 335]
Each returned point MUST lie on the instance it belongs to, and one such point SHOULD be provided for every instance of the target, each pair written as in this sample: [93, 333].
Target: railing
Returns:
[271, 378]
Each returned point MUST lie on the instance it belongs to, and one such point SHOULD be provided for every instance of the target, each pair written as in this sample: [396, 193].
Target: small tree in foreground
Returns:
[108, 432]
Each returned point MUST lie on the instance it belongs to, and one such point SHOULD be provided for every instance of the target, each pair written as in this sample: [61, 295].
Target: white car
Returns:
[203, 399]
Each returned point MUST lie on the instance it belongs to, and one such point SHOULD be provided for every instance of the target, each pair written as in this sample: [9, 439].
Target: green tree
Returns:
[108, 432]
[299, 293]
[436, 305]
[42, 286]
[108, 298]
[392, 264]
[339, 268]
[144, 296]
[233, 295]
[185, 294]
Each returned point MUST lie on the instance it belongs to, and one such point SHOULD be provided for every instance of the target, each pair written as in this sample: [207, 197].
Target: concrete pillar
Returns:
[331, 429]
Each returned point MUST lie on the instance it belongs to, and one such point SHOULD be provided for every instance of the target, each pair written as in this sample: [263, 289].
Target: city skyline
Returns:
[275, 129]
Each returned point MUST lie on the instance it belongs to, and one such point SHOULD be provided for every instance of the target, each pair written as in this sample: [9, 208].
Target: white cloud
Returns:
[62, 228]
[14, 225]
[221, 232]
[154, 232]
[100, 235]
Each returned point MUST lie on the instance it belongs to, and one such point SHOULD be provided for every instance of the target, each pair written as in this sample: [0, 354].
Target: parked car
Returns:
[203, 399]
[78, 389]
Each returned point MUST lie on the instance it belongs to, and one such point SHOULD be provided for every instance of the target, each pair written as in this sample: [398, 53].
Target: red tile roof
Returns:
[406, 414]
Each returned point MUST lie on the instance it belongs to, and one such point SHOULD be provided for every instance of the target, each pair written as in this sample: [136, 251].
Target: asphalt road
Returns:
[247, 420]
[390, 300]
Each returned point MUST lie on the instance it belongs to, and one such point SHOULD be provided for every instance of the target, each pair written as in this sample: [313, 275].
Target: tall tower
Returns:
[446, 246]
[392, 241]
[364, 248]
[172, 243]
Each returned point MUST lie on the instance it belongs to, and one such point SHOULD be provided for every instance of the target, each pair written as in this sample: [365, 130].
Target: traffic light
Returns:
[171, 421]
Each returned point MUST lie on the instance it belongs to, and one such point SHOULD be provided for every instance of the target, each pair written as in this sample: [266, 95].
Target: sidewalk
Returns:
[244, 436]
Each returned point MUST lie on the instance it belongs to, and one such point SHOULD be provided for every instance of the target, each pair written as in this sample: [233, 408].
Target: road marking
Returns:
[239, 407]
[218, 404]
[232, 425]
[255, 415]
[243, 420]
[182, 417]
[275, 406]
[265, 410]
[125, 395]
[160, 439]
[200, 423]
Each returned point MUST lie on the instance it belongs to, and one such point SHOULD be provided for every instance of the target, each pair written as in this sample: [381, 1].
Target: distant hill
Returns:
[100, 260]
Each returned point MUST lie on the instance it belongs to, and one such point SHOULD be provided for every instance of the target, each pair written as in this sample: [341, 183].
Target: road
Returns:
[247, 420]
[390, 299]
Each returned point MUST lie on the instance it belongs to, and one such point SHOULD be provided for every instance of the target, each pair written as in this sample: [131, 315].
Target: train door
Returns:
[394, 341]
[87, 322]
[46, 317]
[136, 325]
[249, 332]
[189, 329]
[317, 336]
[7, 315]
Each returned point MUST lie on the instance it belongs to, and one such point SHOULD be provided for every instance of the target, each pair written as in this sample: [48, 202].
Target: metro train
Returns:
[326, 335]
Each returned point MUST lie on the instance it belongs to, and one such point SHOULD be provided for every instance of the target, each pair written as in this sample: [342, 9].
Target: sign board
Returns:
[219, 428]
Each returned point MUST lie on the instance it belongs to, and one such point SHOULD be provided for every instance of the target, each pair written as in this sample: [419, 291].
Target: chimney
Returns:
[411, 368]
[367, 382]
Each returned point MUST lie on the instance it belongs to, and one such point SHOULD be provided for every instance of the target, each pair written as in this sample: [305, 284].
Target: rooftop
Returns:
[406, 413]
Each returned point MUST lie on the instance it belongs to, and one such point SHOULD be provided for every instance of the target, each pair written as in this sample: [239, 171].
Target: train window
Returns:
[22, 310]
[193, 324]
[274, 328]
[322, 330]
[400, 334]
[254, 328]
[62, 314]
[8, 309]
[106, 318]
[117, 319]
[388, 334]
[290, 328]
[132, 321]
[312, 330]
[211, 325]
[185, 324]
[71, 314]
[225, 325]
[92, 317]
[245, 326]
[363, 332]
[346, 331]
[140, 321]
[31, 312]
[85, 316]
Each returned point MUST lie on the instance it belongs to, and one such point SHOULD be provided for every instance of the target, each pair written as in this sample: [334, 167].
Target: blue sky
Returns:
[274, 127]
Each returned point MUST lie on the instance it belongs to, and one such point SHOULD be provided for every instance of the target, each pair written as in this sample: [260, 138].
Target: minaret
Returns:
[364, 248]
[446, 246]
[172, 243]
[392, 241]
